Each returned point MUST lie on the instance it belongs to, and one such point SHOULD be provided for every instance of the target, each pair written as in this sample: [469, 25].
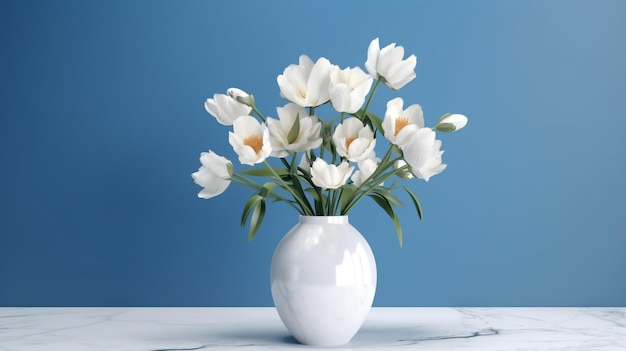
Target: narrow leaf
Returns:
[251, 203]
[295, 181]
[391, 198]
[416, 202]
[294, 131]
[376, 121]
[386, 206]
[360, 114]
[319, 207]
[265, 172]
[266, 189]
[347, 194]
[257, 219]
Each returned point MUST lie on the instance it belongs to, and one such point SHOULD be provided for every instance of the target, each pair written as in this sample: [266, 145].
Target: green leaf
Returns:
[347, 194]
[294, 131]
[416, 202]
[257, 219]
[312, 191]
[295, 181]
[360, 114]
[318, 200]
[386, 206]
[251, 203]
[393, 200]
[376, 121]
[266, 189]
[265, 172]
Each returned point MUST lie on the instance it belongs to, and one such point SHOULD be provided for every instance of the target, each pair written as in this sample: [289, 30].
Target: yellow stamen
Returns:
[303, 94]
[349, 141]
[400, 123]
[255, 142]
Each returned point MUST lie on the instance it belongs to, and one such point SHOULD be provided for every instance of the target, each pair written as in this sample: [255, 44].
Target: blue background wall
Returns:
[102, 123]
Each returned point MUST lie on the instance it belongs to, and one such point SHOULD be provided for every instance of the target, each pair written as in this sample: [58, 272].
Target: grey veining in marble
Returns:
[178, 329]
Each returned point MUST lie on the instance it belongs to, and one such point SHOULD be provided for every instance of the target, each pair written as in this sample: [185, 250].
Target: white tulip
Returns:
[451, 123]
[388, 63]
[366, 168]
[371, 156]
[397, 120]
[309, 133]
[423, 154]
[250, 140]
[354, 140]
[226, 108]
[214, 174]
[330, 176]
[306, 84]
[348, 88]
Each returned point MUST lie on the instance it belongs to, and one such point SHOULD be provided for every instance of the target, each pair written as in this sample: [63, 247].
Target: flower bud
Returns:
[241, 96]
[451, 122]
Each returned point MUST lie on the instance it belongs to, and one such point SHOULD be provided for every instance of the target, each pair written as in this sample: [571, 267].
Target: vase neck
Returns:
[324, 219]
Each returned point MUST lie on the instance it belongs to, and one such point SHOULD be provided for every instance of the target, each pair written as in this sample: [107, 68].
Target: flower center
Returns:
[349, 141]
[400, 123]
[303, 94]
[255, 142]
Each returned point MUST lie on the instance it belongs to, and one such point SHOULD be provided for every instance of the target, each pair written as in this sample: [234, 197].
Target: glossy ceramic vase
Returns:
[323, 279]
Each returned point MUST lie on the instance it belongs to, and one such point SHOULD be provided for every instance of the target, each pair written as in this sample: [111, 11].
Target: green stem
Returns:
[293, 172]
[258, 113]
[251, 184]
[292, 165]
[319, 205]
[334, 203]
[369, 100]
[372, 184]
[306, 207]
[243, 178]
[327, 211]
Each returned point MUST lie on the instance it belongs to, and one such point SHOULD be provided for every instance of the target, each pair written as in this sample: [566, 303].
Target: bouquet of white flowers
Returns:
[316, 174]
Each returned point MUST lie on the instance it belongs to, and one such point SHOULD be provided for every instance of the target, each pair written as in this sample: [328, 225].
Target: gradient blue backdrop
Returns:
[102, 123]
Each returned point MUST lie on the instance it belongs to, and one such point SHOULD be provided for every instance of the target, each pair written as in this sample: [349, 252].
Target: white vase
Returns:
[323, 279]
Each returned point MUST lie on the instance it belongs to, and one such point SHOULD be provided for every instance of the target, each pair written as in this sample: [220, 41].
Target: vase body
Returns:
[323, 280]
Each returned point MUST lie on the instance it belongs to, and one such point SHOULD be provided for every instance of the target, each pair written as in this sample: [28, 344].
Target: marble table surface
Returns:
[260, 328]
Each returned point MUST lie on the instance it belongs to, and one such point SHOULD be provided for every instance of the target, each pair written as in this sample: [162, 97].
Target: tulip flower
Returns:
[214, 174]
[307, 132]
[398, 124]
[388, 64]
[306, 84]
[423, 154]
[348, 88]
[366, 168]
[250, 140]
[451, 122]
[226, 108]
[329, 176]
[354, 140]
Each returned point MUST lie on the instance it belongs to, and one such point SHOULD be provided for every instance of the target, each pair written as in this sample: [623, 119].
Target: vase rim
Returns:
[324, 219]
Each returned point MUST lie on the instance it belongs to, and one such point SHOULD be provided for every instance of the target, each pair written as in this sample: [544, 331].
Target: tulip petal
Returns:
[373, 51]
